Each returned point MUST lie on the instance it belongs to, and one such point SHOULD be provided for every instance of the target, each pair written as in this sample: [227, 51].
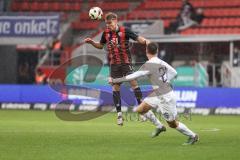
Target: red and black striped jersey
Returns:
[117, 43]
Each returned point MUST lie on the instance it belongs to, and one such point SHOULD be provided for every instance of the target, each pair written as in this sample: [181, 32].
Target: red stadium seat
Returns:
[67, 6]
[24, 6]
[14, 6]
[45, 6]
[162, 5]
[87, 25]
[55, 6]
[35, 6]
[111, 6]
[147, 14]
[166, 23]
[76, 6]
[168, 13]
[84, 16]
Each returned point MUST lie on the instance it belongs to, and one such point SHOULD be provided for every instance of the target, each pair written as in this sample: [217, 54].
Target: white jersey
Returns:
[159, 72]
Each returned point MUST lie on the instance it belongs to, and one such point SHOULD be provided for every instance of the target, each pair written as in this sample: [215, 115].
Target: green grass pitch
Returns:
[40, 135]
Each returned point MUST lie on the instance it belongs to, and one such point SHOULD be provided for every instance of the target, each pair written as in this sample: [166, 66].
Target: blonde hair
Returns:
[110, 16]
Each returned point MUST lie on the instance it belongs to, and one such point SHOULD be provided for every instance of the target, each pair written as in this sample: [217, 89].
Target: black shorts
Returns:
[120, 70]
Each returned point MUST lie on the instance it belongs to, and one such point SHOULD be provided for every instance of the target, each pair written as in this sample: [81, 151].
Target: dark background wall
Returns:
[8, 64]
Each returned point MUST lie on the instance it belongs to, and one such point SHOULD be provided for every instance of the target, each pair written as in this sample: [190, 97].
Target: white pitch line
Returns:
[211, 130]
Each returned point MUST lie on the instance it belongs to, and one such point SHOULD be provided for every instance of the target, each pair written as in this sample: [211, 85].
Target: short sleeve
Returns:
[103, 39]
[131, 34]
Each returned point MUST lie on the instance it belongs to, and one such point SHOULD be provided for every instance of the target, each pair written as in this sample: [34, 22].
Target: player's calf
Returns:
[142, 108]
[182, 128]
[172, 124]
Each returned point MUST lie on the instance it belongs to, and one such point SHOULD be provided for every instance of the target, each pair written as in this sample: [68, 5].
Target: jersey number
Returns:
[163, 75]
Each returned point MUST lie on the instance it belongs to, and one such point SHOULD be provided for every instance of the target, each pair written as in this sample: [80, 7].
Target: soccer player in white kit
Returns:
[160, 74]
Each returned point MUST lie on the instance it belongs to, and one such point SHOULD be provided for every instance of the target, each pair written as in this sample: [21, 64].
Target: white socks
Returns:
[150, 115]
[143, 118]
[119, 114]
[185, 130]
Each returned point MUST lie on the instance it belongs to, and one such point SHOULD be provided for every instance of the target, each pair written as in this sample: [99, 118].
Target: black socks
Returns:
[138, 94]
[117, 100]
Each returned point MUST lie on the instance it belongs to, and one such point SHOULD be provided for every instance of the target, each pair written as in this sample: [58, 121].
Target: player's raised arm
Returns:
[143, 40]
[93, 43]
[136, 37]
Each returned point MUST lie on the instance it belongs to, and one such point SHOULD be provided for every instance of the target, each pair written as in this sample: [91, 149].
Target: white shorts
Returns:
[165, 103]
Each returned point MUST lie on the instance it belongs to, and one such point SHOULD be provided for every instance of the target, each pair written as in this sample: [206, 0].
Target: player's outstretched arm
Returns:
[130, 77]
[93, 43]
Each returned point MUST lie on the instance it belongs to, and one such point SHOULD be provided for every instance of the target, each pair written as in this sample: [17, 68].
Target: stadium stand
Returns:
[221, 16]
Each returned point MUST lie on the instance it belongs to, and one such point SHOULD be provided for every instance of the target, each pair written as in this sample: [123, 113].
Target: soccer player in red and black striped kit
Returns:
[116, 38]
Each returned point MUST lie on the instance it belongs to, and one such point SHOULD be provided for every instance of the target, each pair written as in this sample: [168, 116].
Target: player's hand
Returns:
[88, 40]
[110, 80]
[147, 42]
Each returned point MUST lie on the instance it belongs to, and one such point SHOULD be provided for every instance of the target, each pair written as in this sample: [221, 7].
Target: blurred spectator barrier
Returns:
[99, 95]
[230, 75]
[187, 76]
[191, 76]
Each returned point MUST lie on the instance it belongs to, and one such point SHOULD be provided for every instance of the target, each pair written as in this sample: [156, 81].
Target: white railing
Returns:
[230, 75]
[201, 76]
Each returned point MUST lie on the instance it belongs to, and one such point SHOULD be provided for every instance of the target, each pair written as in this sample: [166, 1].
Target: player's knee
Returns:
[139, 110]
[173, 124]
